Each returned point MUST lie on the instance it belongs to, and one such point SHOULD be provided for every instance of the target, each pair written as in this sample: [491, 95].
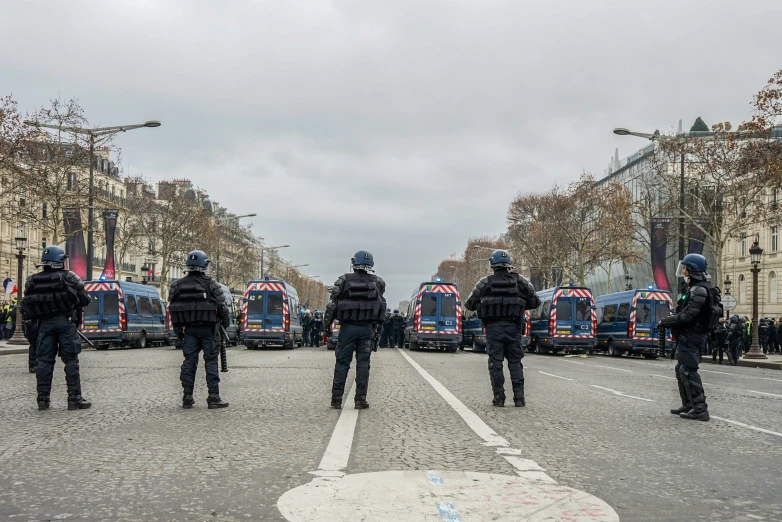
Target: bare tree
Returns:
[15, 137]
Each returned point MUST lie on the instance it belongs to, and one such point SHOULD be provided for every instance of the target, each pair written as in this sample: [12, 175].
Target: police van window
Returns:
[130, 305]
[564, 310]
[643, 312]
[110, 303]
[92, 308]
[609, 314]
[599, 315]
[663, 311]
[143, 306]
[583, 309]
[545, 309]
[448, 306]
[621, 315]
[428, 305]
[255, 303]
[274, 304]
[156, 308]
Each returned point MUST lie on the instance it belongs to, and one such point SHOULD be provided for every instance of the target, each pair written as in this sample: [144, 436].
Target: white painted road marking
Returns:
[764, 393]
[612, 368]
[557, 376]
[715, 371]
[770, 379]
[664, 376]
[621, 394]
[335, 458]
[743, 425]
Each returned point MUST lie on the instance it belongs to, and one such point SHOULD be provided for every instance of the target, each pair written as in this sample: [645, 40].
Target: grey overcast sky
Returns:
[398, 126]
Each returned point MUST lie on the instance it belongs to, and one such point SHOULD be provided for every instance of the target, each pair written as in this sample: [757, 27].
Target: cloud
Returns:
[402, 127]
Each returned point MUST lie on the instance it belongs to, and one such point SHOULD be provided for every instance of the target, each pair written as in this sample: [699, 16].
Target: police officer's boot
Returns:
[43, 401]
[214, 401]
[31, 369]
[680, 409]
[336, 403]
[499, 400]
[519, 401]
[77, 402]
[702, 415]
[361, 403]
[187, 398]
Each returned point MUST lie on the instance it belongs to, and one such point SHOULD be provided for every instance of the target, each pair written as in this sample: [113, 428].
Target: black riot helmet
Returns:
[197, 261]
[363, 260]
[53, 257]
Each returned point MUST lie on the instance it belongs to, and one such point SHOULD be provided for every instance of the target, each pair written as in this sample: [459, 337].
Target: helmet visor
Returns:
[680, 270]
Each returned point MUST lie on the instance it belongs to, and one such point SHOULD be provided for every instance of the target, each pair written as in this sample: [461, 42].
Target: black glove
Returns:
[180, 335]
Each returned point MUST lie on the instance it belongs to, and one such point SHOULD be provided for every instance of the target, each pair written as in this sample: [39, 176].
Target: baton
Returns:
[223, 353]
[84, 338]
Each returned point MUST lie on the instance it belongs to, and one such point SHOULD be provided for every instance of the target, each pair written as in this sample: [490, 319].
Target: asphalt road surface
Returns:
[595, 442]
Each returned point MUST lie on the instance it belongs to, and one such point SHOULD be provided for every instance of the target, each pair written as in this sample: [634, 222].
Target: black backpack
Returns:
[716, 311]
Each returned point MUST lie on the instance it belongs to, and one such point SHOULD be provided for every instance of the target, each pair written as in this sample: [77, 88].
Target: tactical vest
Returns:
[360, 300]
[191, 303]
[501, 299]
[49, 294]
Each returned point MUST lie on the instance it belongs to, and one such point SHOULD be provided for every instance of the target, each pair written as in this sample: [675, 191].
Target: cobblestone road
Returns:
[136, 455]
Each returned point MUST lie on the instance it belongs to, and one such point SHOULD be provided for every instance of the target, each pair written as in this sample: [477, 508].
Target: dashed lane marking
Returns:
[557, 376]
[743, 425]
[715, 371]
[335, 458]
[664, 376]
[770, 379]
[612, 368]
[764, 393]
[621, 394]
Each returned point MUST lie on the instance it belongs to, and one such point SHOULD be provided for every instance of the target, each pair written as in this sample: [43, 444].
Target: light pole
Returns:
[287, 268]
[217, 224]
[727, 284]
[18, 337]
[93, 133]
[628, 282]
[657, 137]
[264, 249]
[755, 252]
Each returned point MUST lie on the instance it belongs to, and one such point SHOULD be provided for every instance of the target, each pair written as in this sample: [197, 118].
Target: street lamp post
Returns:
[93, 133]
[217, 224]
[727, 284]
[264, 249]
[287, 268]
[755, 253]
[656, 137]
[18, 337]
[628, 282]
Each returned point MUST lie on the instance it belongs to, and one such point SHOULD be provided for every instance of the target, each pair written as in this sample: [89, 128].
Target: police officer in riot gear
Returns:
[500, 300]
[691, 327]
[397, 323]
[30, 330]
[358, 304]
[197, 305]
[53, 299]
[385, 331]
[316, 329]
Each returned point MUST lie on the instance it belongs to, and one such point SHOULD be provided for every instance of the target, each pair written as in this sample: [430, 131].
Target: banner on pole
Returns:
[659, 248]
[109, 229]
[74, 242]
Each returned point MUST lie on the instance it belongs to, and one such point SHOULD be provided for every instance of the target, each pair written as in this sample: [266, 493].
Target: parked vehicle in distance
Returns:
[271, 315]
[233, 328]
[564, 322]
[434, 317]
[123, 313]
[331, 343]
[627, 321]
[473, 333]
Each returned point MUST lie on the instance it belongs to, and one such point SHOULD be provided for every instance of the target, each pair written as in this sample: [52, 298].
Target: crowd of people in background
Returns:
[7, 319]
[734, 336]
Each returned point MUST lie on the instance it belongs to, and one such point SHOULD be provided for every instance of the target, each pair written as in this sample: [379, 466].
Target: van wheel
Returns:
[142, 341]
[413, 346]
[101, 346]
[650, 356]
[612, 351]
[476, 348]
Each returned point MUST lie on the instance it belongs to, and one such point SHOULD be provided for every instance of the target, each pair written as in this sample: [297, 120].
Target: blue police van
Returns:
[331, 343]
[233, 329]
[271, 315]
[473, 333]
[627, 321]
[564, 321]
[123, 313]
[434, 317]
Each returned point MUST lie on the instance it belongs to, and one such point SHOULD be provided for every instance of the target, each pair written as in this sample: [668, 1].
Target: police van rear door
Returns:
[429, 313]
[103, 313]
[274, 319]
[254, 315]
[447, 320]
[650, 309]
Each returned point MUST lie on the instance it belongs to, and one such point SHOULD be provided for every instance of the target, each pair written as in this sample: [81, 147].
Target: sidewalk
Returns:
[774, 362]
[5, 349]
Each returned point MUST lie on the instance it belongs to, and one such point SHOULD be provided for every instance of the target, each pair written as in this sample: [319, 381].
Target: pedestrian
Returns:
[772, 336]
[358, 304]
[307, 328]
[316, 327]
[720, 341]
[500, 301]
[691, 327]
[197, 307]
[385, 334]
[736, 332]
[54, 299]
[763, 334]
[748, 335]
[397, 324]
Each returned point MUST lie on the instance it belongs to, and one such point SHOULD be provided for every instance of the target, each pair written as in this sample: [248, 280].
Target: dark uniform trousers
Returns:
[503, 341]
[57, 335]
[200, 337]
[32, 338]
[690, 384]
[353, 338]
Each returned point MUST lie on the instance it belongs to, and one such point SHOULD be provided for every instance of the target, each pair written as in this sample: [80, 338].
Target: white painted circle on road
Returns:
[453, 496]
